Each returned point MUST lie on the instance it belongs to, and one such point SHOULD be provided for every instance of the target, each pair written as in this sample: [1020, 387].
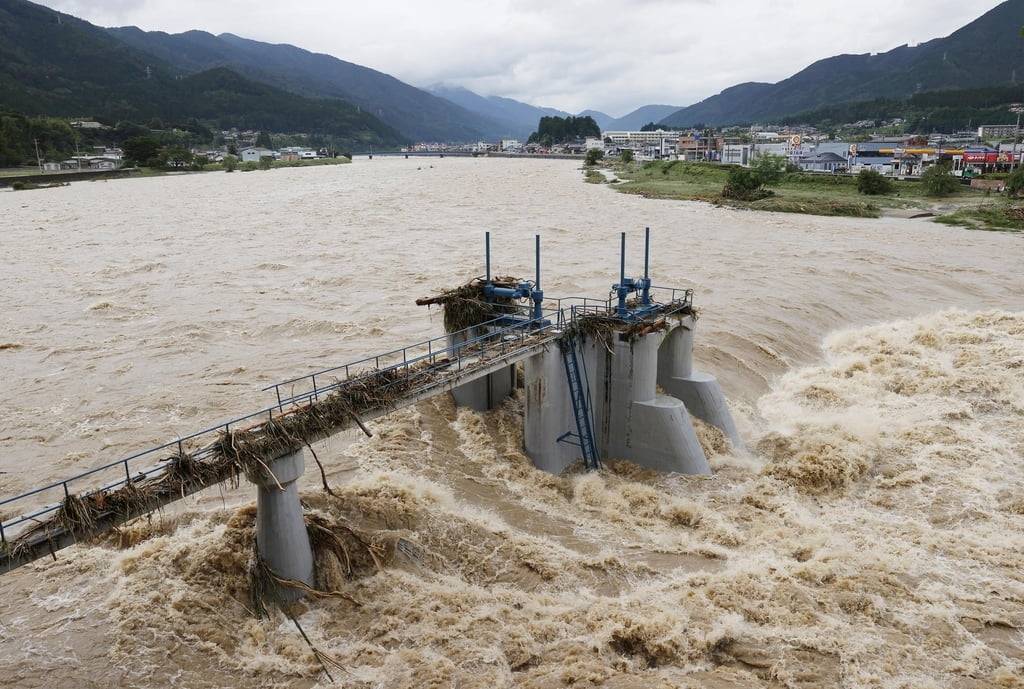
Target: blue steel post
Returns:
[487, 255]
[645, 293]
[621, 289]
[538, 293]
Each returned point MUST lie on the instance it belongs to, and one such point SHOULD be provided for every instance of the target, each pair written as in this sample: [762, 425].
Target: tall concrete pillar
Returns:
[547, 412]
[631, 421]
[645, 427]
[281, 536]
[700, 392]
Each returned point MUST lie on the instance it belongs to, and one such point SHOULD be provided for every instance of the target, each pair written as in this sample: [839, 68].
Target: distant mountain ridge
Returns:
[986, 52]
[54, 64]
[416, 113]
[519, 120]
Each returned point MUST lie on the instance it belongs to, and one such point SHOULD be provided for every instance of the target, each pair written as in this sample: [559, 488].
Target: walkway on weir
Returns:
[84, 506]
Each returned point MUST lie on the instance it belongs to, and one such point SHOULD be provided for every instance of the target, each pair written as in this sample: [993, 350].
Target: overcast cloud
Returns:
[608, 55]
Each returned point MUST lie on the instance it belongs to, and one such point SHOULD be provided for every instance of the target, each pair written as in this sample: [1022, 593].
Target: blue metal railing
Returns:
[451, 353]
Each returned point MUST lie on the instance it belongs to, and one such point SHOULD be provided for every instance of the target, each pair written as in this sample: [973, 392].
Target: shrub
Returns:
[874, 183]
[939, 181]
[1015, 182]
[769, 167]
[594, 155]
[744, 185]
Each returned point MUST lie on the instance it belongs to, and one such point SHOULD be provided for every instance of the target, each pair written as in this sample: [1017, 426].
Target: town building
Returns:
[998, 131]
[656, 144]
[255, 155]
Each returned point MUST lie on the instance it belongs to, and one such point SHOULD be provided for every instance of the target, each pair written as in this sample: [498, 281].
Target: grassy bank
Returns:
[810, 193]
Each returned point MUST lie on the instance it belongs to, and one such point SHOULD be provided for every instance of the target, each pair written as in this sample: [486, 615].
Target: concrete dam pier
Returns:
[603, 379]
[620, 384]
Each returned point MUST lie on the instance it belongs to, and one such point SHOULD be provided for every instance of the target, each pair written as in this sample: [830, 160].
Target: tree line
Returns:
[554, 130]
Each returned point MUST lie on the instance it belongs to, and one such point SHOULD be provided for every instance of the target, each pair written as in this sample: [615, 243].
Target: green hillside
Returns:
[419, 115]
[986, 53]
[52, 65]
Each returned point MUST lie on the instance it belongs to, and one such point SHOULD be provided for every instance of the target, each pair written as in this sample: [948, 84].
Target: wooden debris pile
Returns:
[602, 325]
[1015, 213]
[242, 451]
[465, 306]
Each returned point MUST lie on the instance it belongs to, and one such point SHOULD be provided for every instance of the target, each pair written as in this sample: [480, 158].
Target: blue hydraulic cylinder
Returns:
[644, 284]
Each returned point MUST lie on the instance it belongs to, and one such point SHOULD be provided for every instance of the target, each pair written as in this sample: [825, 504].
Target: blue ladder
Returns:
[580, 406]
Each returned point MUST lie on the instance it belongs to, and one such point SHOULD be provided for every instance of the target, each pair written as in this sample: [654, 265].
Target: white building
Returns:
[656, 144]
[255, 155]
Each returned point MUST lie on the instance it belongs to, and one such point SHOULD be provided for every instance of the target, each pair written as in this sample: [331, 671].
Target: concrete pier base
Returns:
[700, 392]
[661, 437]
[281, 536]
[548, 413]
[631, 421]
[638, 424]
[703, 397]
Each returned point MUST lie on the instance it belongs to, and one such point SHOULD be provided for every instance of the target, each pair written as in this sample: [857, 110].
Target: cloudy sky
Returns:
[608, 55]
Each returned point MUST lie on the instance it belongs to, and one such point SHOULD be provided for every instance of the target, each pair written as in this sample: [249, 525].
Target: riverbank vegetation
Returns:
[770, 185]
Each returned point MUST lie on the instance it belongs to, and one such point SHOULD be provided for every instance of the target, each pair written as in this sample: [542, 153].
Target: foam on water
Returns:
[868, 537]
[871, 539]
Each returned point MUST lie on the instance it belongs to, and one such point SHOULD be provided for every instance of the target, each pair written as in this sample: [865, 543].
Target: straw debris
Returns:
[238, 451]
[465, 306]
[600, 326]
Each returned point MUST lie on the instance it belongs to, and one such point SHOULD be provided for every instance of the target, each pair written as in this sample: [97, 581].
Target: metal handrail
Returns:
[494, 344]
[458, 349]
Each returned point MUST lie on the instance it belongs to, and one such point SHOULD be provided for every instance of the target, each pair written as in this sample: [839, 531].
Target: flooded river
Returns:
[869, 535]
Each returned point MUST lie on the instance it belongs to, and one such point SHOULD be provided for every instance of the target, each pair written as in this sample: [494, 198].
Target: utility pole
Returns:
[1017, 108]
[38, 159]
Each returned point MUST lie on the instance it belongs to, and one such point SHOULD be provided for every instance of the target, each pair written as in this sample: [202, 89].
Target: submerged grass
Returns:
[995, 215]
[796, 192]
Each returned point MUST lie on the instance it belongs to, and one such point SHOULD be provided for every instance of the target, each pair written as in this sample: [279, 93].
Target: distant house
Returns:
[823, 162]
[255, 154]
[104, 163]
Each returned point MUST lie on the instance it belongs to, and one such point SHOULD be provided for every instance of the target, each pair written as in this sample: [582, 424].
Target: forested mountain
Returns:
[419, 115]
[986, 52]
[932, 111]
[52, 64]
[602, 119]
[517, 120]
[55, 65]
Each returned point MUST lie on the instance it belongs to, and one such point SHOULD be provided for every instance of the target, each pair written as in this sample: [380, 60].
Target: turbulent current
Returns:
[868, 535]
